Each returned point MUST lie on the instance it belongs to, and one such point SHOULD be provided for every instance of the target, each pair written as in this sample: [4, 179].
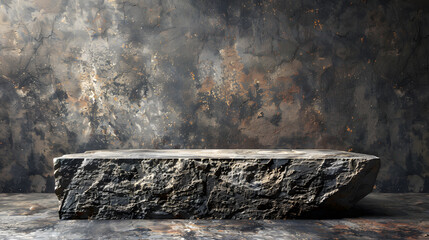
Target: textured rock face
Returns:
[221, 184]
[77, 75]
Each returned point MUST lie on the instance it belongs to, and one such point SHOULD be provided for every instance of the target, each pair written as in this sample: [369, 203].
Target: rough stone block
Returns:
[218, 184]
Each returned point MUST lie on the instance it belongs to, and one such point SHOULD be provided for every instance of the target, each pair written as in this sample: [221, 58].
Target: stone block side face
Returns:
[220, 189]
[64, 172]
[359, 184]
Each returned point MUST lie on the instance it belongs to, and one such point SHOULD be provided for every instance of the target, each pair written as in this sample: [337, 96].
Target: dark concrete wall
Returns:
[348, 75]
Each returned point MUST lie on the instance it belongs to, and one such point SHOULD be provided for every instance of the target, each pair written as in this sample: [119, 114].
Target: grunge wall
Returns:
[78, 75]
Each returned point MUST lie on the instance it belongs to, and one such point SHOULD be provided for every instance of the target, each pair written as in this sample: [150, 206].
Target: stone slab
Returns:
[214, 184]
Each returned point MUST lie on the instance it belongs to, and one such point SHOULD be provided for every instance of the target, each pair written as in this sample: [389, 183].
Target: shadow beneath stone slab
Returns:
[379, 205]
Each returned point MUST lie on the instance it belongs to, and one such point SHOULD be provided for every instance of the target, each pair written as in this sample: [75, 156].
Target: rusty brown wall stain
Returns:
[79, 75]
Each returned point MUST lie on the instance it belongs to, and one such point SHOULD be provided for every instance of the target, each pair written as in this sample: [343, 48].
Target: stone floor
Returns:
[378, 216]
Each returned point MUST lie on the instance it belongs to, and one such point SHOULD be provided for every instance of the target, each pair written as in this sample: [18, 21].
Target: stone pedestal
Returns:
[214, 184]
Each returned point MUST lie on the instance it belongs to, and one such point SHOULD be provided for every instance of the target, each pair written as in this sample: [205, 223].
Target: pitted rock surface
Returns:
[218, 184]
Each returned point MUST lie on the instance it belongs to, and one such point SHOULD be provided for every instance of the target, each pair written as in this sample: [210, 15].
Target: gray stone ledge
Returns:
[214, 184]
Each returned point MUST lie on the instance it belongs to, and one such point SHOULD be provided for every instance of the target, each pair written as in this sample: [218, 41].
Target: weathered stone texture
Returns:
[78, 75]
[228, 184]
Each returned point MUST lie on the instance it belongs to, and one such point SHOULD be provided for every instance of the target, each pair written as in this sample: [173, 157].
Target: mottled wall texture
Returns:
[79, 74]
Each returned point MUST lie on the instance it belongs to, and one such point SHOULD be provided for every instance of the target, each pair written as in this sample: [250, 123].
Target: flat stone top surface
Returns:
[219, 154]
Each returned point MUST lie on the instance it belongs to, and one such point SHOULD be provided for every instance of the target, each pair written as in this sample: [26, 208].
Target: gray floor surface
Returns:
[378, 216]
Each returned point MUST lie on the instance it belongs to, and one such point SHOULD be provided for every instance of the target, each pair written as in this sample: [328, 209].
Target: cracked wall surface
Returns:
[78, 75]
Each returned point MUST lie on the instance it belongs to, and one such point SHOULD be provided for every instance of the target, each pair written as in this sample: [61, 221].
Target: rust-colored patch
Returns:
[341, 227]
[232, 73]
[81, 103]
[407, 230]
[283, 79]
[288, 95]
[317, 24]
[207, 85]
[349, 129]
